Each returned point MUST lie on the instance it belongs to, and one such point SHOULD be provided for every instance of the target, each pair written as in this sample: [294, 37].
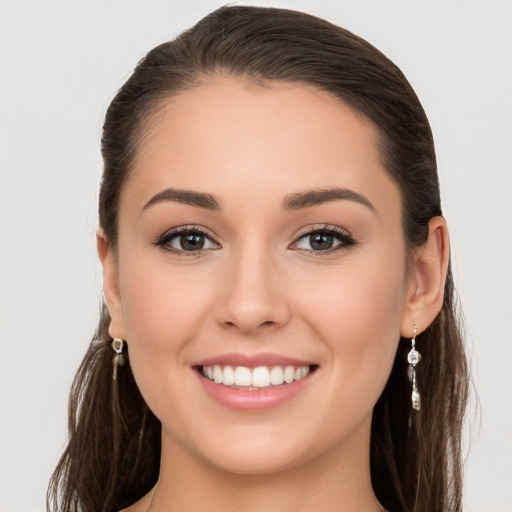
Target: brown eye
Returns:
[324, 240]
[321, 241]
[191, 242]
[186, 240]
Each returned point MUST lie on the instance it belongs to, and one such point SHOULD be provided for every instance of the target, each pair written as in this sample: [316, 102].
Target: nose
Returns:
[253, 295]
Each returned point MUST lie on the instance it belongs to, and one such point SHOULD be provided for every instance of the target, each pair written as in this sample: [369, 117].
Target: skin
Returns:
[259, 287]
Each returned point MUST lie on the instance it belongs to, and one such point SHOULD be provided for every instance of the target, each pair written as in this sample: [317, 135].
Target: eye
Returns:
[324, 240]
[186, 240]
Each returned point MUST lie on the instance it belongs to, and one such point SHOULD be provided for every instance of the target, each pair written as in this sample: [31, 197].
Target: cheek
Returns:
[161, 307]
[163, 310]
[356, 313]
[366, 299]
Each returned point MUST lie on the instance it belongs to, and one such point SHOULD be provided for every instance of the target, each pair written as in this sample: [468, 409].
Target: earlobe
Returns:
[111, 286]
[430, 265]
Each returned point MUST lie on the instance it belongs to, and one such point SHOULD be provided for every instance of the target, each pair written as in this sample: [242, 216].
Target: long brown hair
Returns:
[112, 457]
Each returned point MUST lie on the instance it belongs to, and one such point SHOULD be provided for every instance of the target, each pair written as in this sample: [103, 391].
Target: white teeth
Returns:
[276, 376]
[217, 374]
[229, 376]
[242, 376]
[289, 374]
[259, 377]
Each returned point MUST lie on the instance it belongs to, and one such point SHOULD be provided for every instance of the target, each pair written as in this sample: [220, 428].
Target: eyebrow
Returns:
[316, 197]
[295, 201]
[189, 197]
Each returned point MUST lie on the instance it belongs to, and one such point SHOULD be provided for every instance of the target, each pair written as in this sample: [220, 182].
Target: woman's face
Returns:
[259, 229]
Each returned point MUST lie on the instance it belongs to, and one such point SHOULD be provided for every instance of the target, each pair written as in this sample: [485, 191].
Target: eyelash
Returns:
[167, 237]
[346, 240]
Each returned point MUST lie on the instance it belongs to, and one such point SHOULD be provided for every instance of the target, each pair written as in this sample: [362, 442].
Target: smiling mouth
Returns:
[245, 378]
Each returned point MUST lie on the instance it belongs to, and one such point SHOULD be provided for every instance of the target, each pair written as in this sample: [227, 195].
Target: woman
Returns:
[277, 285]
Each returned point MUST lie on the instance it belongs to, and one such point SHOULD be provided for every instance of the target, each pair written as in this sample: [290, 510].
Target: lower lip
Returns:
[253, 400]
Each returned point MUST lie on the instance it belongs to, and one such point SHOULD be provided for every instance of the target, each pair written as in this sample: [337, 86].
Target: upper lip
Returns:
[252, 360]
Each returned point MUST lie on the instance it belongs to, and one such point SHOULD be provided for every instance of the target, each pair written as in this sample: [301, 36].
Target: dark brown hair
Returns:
[112, 457]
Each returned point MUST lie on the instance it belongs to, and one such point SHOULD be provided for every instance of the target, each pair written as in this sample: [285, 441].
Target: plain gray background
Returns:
[61, 63]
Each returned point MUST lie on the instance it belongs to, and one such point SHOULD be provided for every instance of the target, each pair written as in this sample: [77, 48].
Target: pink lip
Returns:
[253, 400]
[252, 360]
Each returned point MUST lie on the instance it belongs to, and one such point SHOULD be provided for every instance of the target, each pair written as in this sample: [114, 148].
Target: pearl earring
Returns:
[117, 345]
[413, 358]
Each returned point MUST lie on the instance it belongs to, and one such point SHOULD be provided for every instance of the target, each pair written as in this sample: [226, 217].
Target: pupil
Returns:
[192, 242]
[321, 241]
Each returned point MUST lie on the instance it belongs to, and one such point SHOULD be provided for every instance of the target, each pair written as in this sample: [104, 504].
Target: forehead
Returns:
[262, 139]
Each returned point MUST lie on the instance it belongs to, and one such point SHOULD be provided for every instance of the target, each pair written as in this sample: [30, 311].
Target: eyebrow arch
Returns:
[189, 197]
[295, 201]
[316, 197]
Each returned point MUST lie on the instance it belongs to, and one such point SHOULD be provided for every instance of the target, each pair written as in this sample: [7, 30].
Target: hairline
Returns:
[158, 105]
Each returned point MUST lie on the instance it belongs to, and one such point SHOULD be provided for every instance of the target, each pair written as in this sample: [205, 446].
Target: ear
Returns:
[428, 275]
[111, 286]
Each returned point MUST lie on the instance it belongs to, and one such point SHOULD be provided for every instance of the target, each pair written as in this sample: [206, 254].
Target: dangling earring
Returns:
[413, 358]
[117, 345]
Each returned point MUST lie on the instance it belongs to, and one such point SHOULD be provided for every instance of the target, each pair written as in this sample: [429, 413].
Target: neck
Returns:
[338, 480]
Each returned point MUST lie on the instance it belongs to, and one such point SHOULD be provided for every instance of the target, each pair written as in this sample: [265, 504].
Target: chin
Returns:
[258, 450]
[256, 462]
